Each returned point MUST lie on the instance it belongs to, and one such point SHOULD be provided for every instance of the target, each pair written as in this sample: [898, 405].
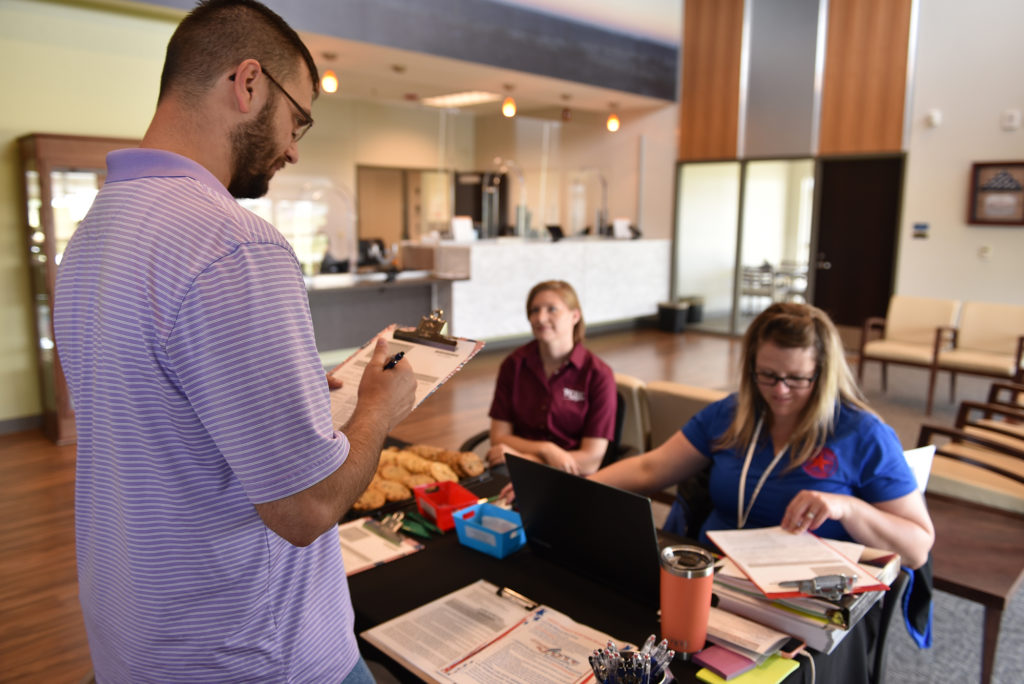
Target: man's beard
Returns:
[253, 154]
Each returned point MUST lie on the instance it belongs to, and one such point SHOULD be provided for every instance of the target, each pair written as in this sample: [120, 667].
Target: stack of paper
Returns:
[751, 640]
[751, 587]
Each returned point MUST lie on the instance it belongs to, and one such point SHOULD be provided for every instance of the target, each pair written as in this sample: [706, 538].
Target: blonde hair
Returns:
[795, 326]
[568, 296]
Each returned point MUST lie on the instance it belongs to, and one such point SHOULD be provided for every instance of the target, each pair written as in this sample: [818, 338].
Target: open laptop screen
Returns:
[594, 529]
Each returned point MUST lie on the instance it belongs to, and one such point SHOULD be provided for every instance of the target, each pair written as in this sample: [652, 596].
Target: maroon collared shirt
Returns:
[578, 401]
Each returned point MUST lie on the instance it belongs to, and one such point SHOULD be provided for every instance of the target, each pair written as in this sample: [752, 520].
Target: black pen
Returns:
[394, 360]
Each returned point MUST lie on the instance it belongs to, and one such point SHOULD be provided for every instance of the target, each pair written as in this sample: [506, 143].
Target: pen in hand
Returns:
[394, 360]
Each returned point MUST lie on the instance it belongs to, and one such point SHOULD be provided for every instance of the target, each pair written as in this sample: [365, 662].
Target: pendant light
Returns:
[329, 82]
[508, 106]
[613, 123]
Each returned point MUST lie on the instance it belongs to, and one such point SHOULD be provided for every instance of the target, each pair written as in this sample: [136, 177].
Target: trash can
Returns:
[672, 316]
[695, 310]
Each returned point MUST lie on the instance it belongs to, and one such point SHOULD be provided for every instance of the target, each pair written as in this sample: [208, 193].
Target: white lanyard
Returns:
[741, 515]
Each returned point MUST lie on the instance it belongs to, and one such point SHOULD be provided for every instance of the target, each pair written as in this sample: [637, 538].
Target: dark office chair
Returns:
[480, 442]
[892, 614]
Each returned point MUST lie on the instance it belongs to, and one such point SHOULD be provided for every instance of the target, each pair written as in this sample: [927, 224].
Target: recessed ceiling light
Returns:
[463, 99]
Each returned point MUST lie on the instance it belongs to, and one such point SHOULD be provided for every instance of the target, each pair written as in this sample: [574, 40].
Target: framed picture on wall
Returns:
[997, 194]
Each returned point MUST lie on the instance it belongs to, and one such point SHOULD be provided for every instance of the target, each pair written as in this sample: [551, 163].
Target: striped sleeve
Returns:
[244, 354]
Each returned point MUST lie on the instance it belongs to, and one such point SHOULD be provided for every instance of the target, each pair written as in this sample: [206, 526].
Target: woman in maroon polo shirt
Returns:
[554, 401]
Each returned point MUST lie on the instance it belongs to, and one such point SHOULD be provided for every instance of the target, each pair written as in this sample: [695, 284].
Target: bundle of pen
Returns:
[646, 666]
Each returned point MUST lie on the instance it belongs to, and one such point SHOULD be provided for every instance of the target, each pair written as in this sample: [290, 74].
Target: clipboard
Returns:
[786, 565]
[434, 358]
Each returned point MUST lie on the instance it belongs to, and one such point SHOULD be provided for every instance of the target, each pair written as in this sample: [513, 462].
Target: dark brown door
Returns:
[859, 207]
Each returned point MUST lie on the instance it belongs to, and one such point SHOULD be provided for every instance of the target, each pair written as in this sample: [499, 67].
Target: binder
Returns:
[844, 612]
[820, 631]
[778, 561]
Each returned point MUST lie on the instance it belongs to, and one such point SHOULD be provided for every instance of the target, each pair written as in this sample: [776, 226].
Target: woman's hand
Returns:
[496, 454]
[810, 508]
[557, 457]
[901, 525]
[508, 494]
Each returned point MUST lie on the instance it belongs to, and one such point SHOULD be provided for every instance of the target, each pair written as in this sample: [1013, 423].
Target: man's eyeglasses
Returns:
[769, 379]
[306, 122]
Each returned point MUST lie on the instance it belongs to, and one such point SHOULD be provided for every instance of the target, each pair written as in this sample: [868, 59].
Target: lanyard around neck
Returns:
[742, 515]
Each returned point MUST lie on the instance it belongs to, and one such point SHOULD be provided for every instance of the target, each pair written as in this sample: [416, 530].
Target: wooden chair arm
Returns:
[1019, 359]
[874, 323]
[940, 333]
[957, 435]
[987, 410]
[871, 323]
[997, 388]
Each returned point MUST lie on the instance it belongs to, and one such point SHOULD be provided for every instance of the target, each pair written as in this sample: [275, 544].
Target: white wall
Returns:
[970, 66]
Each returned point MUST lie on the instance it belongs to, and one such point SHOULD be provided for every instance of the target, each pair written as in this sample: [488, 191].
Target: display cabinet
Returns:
[61, 175]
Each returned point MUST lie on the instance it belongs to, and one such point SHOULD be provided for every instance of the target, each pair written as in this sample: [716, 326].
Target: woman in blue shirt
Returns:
[797, 446]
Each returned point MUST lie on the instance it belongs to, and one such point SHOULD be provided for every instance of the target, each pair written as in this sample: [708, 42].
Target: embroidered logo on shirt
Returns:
[571, 394]
[823, 465]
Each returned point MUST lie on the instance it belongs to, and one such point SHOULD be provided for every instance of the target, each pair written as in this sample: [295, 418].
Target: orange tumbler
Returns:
[686, 576]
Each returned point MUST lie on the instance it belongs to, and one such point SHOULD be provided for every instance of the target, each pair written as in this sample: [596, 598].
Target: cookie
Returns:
[392, 490]
[442, 473]
[412, 462]
[370, 499]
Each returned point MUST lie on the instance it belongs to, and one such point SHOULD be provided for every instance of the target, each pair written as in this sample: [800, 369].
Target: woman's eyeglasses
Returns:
[769, 379]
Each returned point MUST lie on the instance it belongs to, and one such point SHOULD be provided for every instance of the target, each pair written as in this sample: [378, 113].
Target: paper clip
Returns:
[831, 587]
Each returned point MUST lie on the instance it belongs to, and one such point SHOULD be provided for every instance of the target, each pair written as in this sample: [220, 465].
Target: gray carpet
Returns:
[955, 655]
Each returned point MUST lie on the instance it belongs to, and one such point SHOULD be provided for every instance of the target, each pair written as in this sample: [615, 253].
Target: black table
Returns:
[444, 566]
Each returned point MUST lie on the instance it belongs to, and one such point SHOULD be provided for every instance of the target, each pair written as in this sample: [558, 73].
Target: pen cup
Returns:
[686, 576]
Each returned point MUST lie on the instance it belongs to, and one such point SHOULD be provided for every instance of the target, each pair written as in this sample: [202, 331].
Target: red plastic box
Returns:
[440, 499]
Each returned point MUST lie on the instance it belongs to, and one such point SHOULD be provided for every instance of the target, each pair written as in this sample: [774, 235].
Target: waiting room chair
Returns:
[907, 333]
[892, 603]
[636, 423]
[670, 406]
[974, 467]
[920, 462]
[1007, 394]
[989, 341]
[998, 422]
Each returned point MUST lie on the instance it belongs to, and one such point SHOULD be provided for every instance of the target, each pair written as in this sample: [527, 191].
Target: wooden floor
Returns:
[42, 637]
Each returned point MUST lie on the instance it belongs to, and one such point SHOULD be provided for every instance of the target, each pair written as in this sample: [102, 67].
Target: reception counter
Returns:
[349, 308]
[482, 288]
[616, 280]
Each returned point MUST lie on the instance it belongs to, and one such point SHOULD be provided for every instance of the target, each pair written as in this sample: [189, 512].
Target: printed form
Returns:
[431, 365]
[474, 635]
[770, 556]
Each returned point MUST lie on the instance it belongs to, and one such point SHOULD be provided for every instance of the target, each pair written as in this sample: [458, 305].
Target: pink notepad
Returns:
[723, 662]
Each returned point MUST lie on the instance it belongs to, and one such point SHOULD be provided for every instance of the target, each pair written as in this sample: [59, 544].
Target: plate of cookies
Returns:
[403, 467]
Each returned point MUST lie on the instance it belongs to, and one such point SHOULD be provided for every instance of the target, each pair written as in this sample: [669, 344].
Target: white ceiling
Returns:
[369, 72]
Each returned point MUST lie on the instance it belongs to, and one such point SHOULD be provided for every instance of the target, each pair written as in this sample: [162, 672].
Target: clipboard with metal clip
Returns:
[429, 332]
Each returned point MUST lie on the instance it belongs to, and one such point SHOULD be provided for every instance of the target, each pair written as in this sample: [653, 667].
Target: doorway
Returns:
[858, 219]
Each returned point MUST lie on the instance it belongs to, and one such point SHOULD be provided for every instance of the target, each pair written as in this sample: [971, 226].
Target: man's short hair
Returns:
[218, 35]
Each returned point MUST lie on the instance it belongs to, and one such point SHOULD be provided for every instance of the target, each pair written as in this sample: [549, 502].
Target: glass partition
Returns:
[778, 197]
[742, 238]
[705, 256]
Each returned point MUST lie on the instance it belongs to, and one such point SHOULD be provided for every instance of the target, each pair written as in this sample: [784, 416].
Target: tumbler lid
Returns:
[687, 561]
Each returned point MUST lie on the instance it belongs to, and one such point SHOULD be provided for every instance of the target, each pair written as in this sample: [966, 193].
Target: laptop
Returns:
[595, 529]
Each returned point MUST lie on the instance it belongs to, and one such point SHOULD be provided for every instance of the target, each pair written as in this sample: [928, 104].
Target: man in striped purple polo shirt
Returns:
[209, 476]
